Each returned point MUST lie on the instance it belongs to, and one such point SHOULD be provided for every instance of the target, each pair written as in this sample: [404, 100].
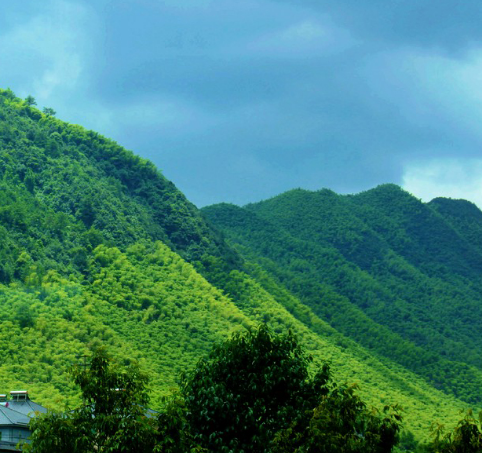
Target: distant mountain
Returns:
[98, 247]
[464, 217]
[398, 276]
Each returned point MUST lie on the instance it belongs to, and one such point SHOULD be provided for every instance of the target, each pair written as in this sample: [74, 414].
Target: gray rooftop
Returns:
[9, 417]
[27, 407]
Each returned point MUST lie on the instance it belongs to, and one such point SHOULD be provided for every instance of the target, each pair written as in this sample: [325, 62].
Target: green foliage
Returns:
[342, 424]
[30, 100]
[95, 181]
[23, 315]
[55, 432]
[174, 434]
[464, 216]
[111, 419]
[49, 111]
[254, 393]
[465, 438]
[381, 267]
[147, 303]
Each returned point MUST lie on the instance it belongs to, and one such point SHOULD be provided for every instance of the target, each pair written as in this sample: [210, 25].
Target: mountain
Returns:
[396, 275]
[98, 247]
[464, 217]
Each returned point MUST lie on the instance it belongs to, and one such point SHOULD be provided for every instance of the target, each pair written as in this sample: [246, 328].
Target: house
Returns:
[15, 414]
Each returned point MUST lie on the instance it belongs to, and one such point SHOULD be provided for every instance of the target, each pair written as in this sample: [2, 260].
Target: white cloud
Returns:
[451, 178]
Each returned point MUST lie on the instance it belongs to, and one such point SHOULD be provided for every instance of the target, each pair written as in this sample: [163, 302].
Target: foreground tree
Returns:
[111, 419]
[342, 424]
[254, 393]
[465, 438]
[174, 435]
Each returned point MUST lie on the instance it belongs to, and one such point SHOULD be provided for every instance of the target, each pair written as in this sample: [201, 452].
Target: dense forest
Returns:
[398, 276]
[97, 247]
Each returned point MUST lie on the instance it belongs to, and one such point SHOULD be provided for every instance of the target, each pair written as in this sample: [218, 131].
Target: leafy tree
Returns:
[407, 442]
[30, 100]
[255, 393]
[111, 419]
[29, 181]
[249, 388]
[49, 111]
[343, 424]
[23, 315]
[465, 438]
[174, 434]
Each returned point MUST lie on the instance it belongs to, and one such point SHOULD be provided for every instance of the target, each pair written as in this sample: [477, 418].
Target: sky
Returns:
[238, 101]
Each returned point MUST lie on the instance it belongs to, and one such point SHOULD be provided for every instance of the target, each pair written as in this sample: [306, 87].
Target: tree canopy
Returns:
[112, 418]
[466, 437]
[255, 393]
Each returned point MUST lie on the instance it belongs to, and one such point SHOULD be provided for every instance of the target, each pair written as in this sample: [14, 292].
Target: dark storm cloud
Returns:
[237, 101]
[449, 25]
[196, 53]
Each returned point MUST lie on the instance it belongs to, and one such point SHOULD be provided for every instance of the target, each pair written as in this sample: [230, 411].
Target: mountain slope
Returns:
[96, 246]
[80, 173]
[381, 267]
[463, 216]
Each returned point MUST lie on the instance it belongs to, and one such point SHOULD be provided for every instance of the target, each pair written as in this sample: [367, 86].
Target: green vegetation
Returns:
[111, 419]
[465, 438]
[250, 388]
[254, 393]
[79, 176]
[98, 248]
[380, 267]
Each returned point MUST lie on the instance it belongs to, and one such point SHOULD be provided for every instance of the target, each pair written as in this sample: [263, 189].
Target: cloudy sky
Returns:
[238, 101]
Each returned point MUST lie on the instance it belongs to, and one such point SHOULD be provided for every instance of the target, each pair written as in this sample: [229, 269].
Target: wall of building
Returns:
[11, 437]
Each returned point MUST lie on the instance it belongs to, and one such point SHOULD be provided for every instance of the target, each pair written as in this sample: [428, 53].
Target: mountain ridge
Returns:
[378, 247]
[97, 247]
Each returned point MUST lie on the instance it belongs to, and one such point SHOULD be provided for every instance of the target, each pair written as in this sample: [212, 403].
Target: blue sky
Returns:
[239, 101]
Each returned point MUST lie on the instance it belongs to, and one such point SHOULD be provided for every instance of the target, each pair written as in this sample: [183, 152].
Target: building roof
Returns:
[10, 417]
[151, 413]
[27, 407]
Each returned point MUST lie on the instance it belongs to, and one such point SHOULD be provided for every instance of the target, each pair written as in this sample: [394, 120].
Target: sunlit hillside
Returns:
[98, 247]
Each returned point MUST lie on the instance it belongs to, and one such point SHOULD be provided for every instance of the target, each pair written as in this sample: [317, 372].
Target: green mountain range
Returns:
[97, 246]
[398, 276]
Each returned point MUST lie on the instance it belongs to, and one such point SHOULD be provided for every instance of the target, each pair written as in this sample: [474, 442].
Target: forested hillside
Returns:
[98, 247]
[396, 275]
